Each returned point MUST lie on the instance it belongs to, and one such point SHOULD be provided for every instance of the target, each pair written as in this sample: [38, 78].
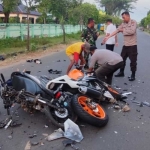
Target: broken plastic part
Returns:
[56, 135]
[72, 131]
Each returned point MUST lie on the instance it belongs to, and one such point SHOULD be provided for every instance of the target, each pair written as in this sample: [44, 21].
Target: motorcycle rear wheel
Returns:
[97, 118]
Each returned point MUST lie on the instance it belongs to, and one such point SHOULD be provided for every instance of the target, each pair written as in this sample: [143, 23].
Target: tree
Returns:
[80, 15]
[114, 7]
[44, 8]
[30, 5]
[8, 7]
[60, 9]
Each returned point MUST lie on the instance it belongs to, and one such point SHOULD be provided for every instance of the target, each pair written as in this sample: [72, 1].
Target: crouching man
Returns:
[74, 52]
[108, 62]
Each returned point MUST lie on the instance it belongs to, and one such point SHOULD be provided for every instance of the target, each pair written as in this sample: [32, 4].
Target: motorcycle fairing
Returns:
[64, 80]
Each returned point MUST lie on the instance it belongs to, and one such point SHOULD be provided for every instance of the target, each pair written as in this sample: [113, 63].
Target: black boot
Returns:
[132, 78]
[120, 74]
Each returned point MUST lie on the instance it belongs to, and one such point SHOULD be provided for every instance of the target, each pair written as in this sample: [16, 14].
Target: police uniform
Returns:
[89, 35]
[130, 45]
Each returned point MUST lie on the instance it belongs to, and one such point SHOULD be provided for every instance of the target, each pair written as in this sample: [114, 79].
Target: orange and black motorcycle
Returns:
[87, 92]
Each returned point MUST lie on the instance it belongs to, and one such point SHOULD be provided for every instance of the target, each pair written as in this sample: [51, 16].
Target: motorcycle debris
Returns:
[58, 60]
[68, 142]
[74, 147]
[10, 137]
[32, 136]
[117, 107]
[126, 108]
[2, 58]
[125, 84]
[28, 146]
[112, 101]
[126, 94]
[38, 61]
[56, 135]
[34, 143]
[146, 104]
[30, 60]
[45, 126]
[125, 90]
[115, 132]
[72, 131]
[138, 110]
[51, 71]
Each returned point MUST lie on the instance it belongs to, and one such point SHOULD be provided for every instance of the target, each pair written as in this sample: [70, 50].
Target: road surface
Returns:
[125, 131]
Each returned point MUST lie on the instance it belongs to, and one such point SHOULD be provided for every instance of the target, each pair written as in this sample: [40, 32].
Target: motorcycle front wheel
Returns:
[58, 118]
[95, 116]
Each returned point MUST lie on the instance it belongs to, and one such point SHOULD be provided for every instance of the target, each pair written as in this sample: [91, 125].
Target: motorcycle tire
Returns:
[84, 112]
[59, 122]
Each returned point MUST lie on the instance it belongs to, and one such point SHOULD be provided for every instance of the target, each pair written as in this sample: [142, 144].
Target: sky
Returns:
[140, 11]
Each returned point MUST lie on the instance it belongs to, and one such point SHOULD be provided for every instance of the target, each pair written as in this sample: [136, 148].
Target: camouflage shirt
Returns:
[89, 35]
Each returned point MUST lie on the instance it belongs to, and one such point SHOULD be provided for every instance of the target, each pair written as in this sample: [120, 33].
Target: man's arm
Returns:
[92, 62]
[83, 35]
[70, 66]
[120, 29]
[116, 40]
[131, 30]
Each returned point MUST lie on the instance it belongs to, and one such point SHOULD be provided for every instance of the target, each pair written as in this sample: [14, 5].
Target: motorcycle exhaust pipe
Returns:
[89, 92]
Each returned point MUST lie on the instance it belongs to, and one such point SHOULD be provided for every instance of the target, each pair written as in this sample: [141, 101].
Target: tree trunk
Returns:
[6, 19]
[28, 31]
[64, 33]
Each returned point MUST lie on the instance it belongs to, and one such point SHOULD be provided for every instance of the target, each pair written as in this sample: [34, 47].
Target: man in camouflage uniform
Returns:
[90, 35]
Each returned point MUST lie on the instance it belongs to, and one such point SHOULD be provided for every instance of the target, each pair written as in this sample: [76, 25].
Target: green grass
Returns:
[13, 45]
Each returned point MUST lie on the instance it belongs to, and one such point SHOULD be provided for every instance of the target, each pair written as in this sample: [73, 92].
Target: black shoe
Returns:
[120, 74]
[132, 78]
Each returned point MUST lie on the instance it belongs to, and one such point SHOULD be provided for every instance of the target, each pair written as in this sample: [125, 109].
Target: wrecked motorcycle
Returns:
[31, 93]
[87, 92]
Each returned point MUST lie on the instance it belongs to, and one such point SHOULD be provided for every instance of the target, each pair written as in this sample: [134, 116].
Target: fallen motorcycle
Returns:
[31, 93]
[87, 93]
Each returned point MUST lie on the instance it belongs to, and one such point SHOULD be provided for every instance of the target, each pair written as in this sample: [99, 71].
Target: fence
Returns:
[36, 30]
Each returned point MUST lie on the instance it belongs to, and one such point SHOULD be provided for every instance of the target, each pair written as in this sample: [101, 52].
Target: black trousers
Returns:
[131, 52]
[105, 72]
[110, 47]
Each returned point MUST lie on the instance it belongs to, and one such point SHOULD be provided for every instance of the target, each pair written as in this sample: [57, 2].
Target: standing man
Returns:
[90, 35]
[128, 28]
[110, 43]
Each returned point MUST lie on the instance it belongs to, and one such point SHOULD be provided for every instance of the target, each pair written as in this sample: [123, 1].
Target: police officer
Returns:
[128, 28]
[90, 35]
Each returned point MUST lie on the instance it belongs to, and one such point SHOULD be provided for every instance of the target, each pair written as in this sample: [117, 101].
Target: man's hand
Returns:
[116, 44]
[98, 34]
[120, 30]
[105, 39]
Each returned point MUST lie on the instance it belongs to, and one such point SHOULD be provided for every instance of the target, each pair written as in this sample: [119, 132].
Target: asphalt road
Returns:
[125, 131]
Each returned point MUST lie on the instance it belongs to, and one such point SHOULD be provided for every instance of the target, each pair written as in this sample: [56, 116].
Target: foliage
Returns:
[10, 45]
[115, 7]
[145, 21]
[14, 20]
[81, 13]
[9, 6]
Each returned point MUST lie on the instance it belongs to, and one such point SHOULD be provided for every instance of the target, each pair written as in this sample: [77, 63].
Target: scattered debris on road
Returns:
[2, 58]
[37, 61]
[126, 108]
[28, 146]
[56, 135]
[51, 71]
[70, 143]
[115, 132]
[126, 94]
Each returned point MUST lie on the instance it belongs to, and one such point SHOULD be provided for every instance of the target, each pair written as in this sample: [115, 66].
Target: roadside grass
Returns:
[16, 45]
